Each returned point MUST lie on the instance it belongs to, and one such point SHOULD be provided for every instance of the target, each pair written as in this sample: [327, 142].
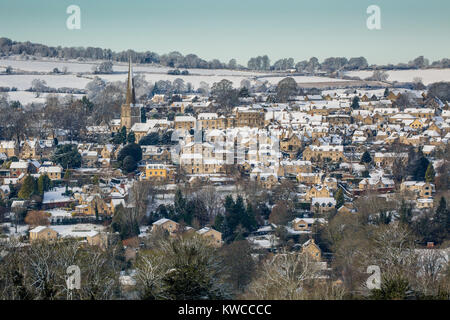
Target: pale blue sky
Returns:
[239, 28]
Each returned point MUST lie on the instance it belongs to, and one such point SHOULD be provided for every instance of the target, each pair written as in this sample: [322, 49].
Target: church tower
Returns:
[130, 111]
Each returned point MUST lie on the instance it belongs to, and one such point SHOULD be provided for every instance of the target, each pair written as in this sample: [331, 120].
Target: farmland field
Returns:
[428, 76]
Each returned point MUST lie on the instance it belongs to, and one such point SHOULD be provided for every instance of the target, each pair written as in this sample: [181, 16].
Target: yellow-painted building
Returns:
[416, 124]
[318, 192]
[43, 233]
[308, 178]
[155, 171]
[214, 237]
[419, 188]
[317, 153]
[97, 239]
[53, 172]
[305, 224]
[184, 123]
[167, 225]
[10, 148]
[312, 249]
[291, 143]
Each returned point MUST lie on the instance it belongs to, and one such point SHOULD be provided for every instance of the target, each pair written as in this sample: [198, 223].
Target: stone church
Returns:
[130, 111]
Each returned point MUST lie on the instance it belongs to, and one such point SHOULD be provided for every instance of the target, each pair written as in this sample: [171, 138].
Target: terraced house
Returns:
[324, 152]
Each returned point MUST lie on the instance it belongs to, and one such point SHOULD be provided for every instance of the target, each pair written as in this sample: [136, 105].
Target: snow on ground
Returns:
[155, 73]
[292, 231]
[230, 188]
[55, 195]
[77, 230]
[144, 229]
[58, 214]
[428, 76]
[165, 199]
[21, 229]
[342, 92]
[23, 82]
[226, 72]
[210, 79]
[47, 66]
[265, 242]
[152, 74]
[194, 79]
[303, 79]
[25, 97]
[74, 66]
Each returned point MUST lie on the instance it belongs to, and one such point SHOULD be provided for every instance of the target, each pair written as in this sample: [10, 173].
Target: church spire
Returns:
[131, 98]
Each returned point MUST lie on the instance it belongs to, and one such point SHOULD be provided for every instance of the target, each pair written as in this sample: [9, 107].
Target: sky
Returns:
[239, 29]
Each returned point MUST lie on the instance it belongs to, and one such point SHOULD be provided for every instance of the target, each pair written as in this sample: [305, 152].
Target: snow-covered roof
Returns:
[38, 229]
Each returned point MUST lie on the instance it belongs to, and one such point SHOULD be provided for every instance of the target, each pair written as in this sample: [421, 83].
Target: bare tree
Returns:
[149, 277]
[38, 86]
[15, 122]
[99, 273]
[46, 266]
[140, 196]
[373, 204]
[392, 249]
[378, 75]
[240, 264]
[433, 272]
[212, 201]
[284, 277]
[39, 271]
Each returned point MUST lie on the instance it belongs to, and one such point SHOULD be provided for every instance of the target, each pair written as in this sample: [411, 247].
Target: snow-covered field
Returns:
[303, 79]
[428, 76]
[74, 66]
[195, 80]
[25, 97]
[23, 82]
[22, 230]
[46, 66]
[153, 73]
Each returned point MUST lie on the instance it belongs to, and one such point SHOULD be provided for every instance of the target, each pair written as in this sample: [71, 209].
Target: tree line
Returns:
[177, 60]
